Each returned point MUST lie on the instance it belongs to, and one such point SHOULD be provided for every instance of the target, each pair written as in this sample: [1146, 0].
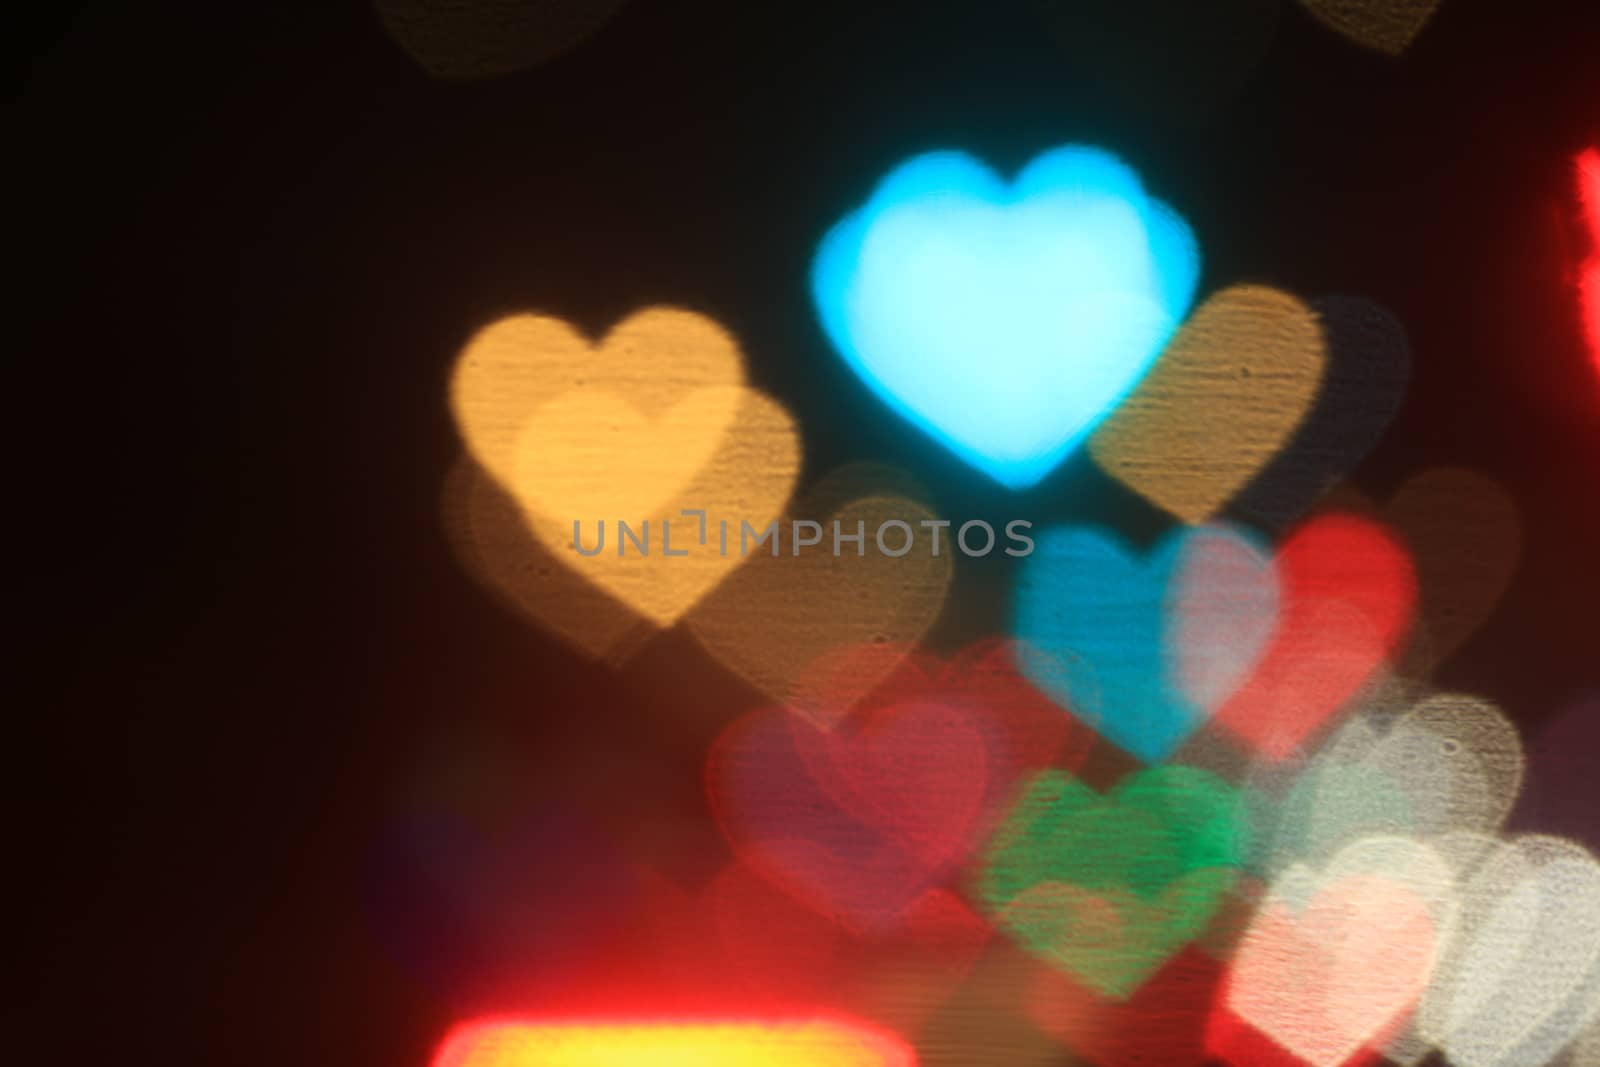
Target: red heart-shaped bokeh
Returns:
[861, 819]
[828, 839]
[1348, 596]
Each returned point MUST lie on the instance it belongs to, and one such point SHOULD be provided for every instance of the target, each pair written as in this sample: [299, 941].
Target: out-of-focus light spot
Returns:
[1330, 805]
[1349, 593]
[774, 617]
[1461, 578]
[493, 543]
[1231, 387]
[1521, 977]
[1108, 888]
[915, 971]
[858, 823]
[980, 1025]
[461, 39]
[742, 936]
[1336, 959]
[1589, 281]
[860, 816]
[1463, 852]
[1387, 26]
[804, 1043]
[1210, 626]
[1363, 383]
[1155, 645]
[1025, 727]
[1220, 611]
[653, 420]
[1005, 320]
[1452, 764]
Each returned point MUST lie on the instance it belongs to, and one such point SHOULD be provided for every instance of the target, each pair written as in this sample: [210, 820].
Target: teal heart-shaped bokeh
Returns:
[1006, 321]
[1157, 643]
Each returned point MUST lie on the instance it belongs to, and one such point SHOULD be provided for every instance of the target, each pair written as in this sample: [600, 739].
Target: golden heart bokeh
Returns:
[652, 420]
[1224, 397]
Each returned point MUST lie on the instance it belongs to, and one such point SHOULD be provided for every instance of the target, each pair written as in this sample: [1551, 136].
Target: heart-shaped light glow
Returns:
[1006, 321]
[1522, 976]
[776, 615]
[1364, 380]
[855, 824]
[1232, 387]
[1349, 590]
[1162, 642]
[1334, 960]
[1109, 887]
[670, 1043]
[653, 419]
[1450, 765]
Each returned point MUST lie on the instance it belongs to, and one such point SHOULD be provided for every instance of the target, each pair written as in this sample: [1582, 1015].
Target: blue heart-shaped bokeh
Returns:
[1153, 646]
[1006, 321]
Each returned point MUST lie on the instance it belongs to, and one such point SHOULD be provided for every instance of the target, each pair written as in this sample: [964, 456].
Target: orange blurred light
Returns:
[767, 1043]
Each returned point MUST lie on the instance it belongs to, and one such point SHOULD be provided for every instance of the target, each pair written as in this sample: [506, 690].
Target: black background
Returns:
[253, 237]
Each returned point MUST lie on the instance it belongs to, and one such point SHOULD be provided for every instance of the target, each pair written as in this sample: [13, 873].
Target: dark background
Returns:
[253, 237]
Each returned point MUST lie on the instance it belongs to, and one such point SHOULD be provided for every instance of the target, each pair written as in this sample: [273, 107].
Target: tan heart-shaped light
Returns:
[653, 420]
[1230, 389]
[780, 617]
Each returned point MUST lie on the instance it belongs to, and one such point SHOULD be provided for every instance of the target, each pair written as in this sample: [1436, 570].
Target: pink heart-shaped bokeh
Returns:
[1331, 982]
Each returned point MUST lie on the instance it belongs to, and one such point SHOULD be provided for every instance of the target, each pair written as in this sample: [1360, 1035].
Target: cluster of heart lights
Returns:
[1200, 803]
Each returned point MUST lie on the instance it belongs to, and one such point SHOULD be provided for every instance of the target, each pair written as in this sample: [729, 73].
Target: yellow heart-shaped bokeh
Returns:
[652, 421]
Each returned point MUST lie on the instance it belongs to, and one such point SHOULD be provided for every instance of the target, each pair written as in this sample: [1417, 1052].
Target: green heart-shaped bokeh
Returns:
[1108, 887]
